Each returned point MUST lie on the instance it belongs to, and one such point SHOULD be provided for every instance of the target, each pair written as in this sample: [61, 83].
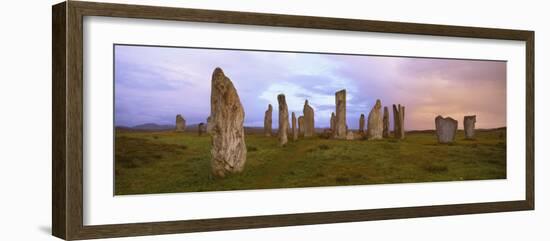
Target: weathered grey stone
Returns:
[469, 127]
[301, 126]
[375, 124]
[332, 124]
[268, 120]
[201, 128]
[283, 120]
[309, 120]
[386, 123]
[294, 129]
[180, 123]
[445, 129]
[399, 121]
[340, 124]
[208, 125]
[362, 123]
[226, 118]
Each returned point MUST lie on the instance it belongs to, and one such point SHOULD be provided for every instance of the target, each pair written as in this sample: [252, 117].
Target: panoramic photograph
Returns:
[202, 119]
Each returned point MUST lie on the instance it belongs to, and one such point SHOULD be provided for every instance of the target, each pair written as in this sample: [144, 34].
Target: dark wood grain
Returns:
[280, 20]
[155, 228]
[67, 157]
[530, 120]
[59, 193]
[74, 120]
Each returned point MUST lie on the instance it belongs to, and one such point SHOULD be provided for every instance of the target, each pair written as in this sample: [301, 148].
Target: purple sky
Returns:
[154, 84]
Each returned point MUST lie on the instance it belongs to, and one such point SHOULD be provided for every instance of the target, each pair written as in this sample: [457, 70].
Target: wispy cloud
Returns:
[153, 84]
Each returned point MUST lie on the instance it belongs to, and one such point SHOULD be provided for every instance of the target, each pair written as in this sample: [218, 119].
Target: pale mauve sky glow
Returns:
[154, 84]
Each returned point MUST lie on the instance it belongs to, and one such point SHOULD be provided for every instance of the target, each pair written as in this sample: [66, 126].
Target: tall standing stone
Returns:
[375, 124]
[445, 129]
[268, 120]
[399, 121]
[362, 124]
[180, 123]
[294, 129]
[201, 128]
[469, 127]
[309, 120]
[301, 126]
[340, 125]
[283, 120]
[226, 118]
[386, 123]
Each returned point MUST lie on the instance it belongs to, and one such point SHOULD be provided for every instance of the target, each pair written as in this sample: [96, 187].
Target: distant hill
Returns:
[153, 127]
[194, 127]
[156, 127]
[147, 127]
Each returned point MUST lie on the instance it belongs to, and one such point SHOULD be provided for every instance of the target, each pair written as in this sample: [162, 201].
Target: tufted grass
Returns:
[168, 162]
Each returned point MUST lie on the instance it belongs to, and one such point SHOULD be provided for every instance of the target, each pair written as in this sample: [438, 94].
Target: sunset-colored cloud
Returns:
[153, 84]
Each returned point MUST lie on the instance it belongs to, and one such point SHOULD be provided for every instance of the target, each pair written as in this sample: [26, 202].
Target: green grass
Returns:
[164, 162]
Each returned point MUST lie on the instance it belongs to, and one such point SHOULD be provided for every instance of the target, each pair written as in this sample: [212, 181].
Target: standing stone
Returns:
[209, 125]
[445, 129]
[362, 124]
[469, 126]
[340, 124]
[268, 120]
[294, 130]
[283, 120]
[309, 120]
[332, 124]
[375, 124]
[386, 123]
[227, 117]
[202, 128]
[180, 123]
[301, 125]
[399, 121]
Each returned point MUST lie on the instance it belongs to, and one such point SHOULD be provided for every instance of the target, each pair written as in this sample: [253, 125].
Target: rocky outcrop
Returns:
[283, 120]
[375, 124]
[340, 123]
[445, 129]
[268, 120]
[226, 120]
[309, 120]
[180, 123]
[469, 127]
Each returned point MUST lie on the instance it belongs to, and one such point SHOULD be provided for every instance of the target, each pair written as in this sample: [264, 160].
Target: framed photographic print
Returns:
[171, 120]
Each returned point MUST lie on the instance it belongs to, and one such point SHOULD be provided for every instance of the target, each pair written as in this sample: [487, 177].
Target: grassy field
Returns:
[165, 162]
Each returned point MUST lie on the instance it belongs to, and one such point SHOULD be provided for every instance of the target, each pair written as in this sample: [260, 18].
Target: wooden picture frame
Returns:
[67, 124]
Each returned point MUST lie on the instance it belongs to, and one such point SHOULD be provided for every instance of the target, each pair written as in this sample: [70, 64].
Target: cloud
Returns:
[153, 84]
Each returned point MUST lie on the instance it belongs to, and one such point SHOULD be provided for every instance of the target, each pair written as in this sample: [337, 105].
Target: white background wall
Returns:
[25, 122]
